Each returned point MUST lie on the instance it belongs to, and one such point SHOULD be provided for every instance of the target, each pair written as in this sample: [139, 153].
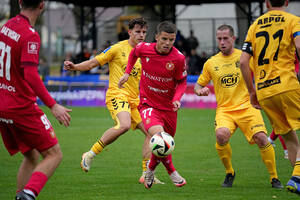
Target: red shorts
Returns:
[24, 132]
[152, 116]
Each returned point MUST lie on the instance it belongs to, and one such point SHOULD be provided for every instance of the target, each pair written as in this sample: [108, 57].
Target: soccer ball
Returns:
[162, 144]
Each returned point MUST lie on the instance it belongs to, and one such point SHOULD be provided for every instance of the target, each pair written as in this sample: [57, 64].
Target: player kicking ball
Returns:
[162, 84]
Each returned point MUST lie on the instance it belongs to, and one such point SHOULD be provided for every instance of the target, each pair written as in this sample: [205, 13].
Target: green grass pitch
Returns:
[115, 172]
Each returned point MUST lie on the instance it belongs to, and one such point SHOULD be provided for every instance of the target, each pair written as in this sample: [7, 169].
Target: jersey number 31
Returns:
[5, 50]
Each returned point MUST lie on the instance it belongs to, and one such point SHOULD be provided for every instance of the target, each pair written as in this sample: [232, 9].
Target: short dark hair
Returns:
[30, 3]
[167, 27]
[137, 21]
[226, 27]
[277, 3]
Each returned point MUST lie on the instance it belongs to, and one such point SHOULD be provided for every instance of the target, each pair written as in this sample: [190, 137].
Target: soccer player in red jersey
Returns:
[162, 84]
[23, 126]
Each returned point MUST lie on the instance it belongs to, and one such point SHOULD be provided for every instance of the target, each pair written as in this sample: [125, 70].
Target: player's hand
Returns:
[61, 113]
[177, 105]
[202, 91]
[254, 101]
[123, 80]
[68, 65]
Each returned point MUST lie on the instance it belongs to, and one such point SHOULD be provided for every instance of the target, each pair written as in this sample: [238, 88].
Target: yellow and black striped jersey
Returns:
[270, 42]
[230, 88]
[117, 57]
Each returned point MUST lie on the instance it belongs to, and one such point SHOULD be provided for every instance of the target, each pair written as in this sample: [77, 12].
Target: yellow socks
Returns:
[144, 164]
[98, 147]
[268, 156]
[225, 152]
[296, 171]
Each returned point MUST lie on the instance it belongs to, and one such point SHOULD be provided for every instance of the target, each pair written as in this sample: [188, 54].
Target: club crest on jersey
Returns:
[148, 120]
[33, 47]
[170, 66]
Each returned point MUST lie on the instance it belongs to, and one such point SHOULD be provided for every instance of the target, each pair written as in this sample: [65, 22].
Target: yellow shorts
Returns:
[283, 111]
[249, 120]
[120, 104]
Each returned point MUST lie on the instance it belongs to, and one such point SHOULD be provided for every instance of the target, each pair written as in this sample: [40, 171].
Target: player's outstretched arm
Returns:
[200, 90]
[123, 80]
[61, 113]
[83, 66]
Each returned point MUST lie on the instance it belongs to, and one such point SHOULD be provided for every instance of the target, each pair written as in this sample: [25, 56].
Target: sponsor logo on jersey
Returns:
[271, 19]
[134, 72]
[268, 83]
[257, 126]
[32, 47]
[7, 87]
[230, 80]
[157, 78]
[170, 66]
[7, 121]
[147, 59]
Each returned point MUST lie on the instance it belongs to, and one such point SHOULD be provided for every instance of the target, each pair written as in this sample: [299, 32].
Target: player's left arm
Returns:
[246, 72]
[180, 79]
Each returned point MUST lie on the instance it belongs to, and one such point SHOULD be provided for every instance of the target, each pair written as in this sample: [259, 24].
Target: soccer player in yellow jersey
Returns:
[272, 41]
[233, 106]
[121, 103]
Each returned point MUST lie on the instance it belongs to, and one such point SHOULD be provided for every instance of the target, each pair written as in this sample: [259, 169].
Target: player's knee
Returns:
[222, 136]
[260, 139]
[54, 152]
[124, 127]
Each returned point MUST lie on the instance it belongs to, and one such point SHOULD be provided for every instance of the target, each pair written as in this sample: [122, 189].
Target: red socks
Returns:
[36, 182]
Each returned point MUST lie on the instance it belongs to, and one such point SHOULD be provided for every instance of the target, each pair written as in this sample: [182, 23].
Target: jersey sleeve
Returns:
[296, 28]
[133, 56]
[181, 72]
[205, 77]
[106, 56]
[247, 46]
[30, 51]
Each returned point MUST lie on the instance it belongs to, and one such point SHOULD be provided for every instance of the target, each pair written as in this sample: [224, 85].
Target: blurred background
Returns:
[78, 30]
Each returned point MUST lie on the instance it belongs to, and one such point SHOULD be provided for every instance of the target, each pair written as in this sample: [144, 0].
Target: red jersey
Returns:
[19, 48]
[163, 78]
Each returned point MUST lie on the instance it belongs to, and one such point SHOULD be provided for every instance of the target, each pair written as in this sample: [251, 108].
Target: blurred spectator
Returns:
[203, 59]
[192, 42]
[123, 35]
[194, 65]
[180, 43]
[44, 69]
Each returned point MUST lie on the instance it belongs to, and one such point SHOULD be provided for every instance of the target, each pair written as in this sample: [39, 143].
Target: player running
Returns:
[162, 84]
[121, 103]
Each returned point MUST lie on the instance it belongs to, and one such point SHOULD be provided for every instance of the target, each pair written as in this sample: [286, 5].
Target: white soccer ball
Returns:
[161, 144]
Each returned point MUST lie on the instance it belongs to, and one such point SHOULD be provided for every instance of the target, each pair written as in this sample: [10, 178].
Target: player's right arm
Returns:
[203, 80]
[83, 66]
[199, 90]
